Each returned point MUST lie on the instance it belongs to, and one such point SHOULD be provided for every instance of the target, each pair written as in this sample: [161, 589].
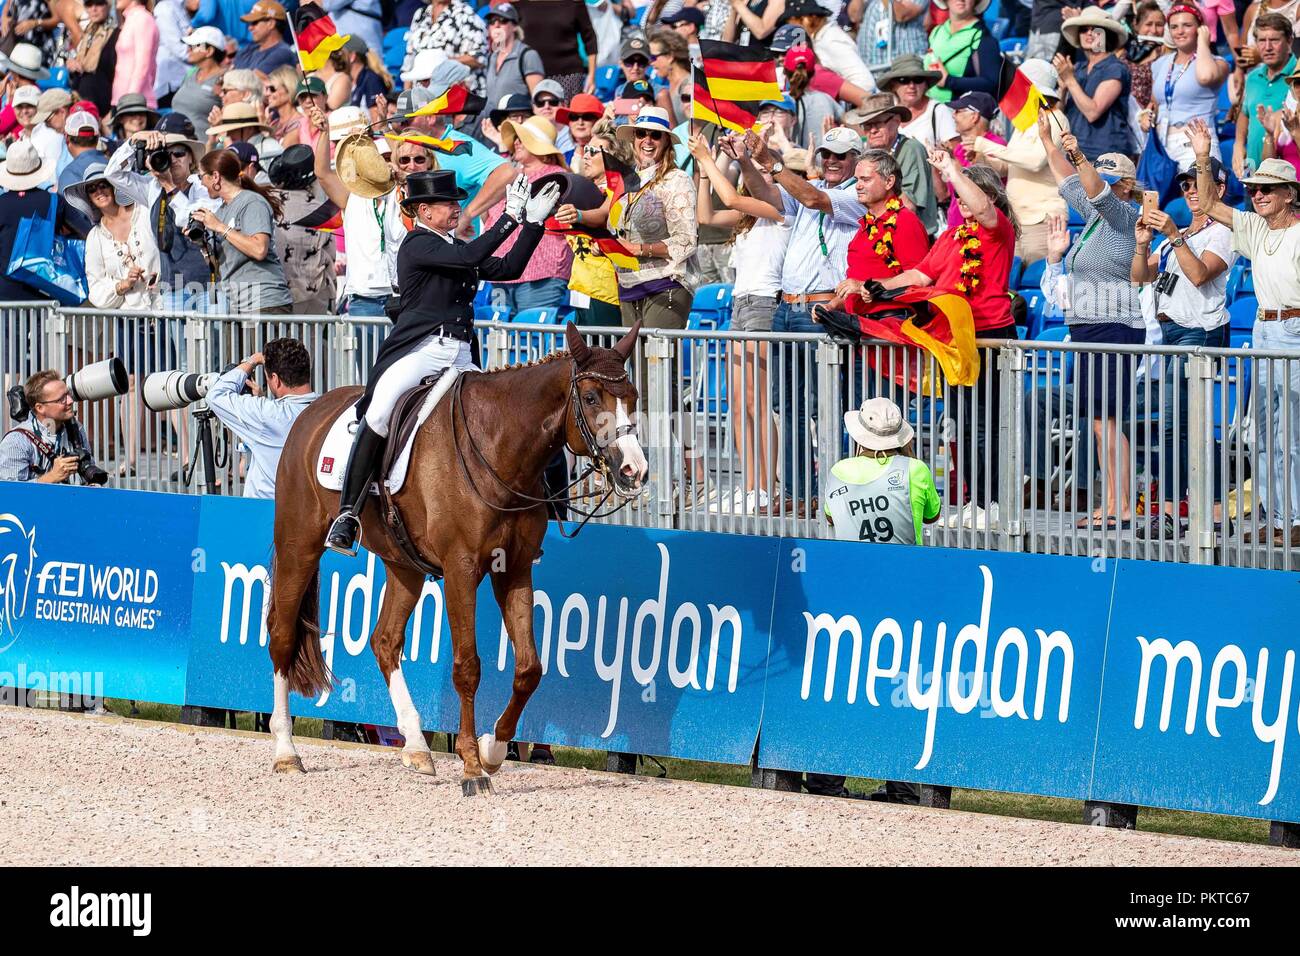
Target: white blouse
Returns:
[108, 261]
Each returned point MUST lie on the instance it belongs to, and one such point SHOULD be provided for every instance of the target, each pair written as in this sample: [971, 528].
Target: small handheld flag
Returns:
[452, 147]
[456, 100]
[729, 114]
[316, 36]
[739, 73]
[1020, 100]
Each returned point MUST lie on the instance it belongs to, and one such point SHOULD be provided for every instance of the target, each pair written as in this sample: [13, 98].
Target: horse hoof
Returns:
[290, 764]
[491, 752]
[421, 761]
[476, 787]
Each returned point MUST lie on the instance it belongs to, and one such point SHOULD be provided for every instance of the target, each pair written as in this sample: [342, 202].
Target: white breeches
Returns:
[434, 353]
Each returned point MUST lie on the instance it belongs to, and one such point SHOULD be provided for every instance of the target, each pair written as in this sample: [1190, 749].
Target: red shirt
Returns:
[989, 303]
[910, 246]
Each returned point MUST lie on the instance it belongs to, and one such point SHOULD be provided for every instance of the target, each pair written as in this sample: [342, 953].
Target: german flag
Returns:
[620, 178]
[326, 217]
[617, 253]
[728, 114]
[739, 74]
[1020, 100]
[610, 245]
[316, 36]
[452, 147]
[455, 101]
[949, 335]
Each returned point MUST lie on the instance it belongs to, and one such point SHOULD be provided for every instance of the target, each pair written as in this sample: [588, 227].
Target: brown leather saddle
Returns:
[404, 420]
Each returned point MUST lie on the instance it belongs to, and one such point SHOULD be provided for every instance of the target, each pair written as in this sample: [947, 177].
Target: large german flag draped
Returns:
[1018, 98]
[610, 245]
[949, 336]
[739, 74]
[456, 100]
[725, 113]
[316, 36]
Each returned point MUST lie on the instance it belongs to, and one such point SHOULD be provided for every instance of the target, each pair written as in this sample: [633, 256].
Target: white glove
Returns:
[541, 205]
[517, 198]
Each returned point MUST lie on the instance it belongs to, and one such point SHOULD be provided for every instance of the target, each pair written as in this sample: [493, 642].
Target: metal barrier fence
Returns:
[1151, 452]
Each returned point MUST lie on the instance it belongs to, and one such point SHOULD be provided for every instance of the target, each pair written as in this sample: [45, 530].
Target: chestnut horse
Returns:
[472, 496]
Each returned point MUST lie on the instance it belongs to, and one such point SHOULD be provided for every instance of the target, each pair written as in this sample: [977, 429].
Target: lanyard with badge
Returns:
[380, 213]
[821, 220]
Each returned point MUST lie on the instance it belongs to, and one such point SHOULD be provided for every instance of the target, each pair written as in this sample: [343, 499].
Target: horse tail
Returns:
[307, 671]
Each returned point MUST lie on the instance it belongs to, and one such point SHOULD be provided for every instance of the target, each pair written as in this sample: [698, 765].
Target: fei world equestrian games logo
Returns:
[68, 592]
[17, 557]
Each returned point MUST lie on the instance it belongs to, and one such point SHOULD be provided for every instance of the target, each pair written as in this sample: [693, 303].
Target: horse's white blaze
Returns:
[628, 445]
[408, 718]
[281, 725]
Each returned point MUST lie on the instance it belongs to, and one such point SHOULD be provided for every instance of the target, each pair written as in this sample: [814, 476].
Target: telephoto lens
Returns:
[102, 380]
[167, 391]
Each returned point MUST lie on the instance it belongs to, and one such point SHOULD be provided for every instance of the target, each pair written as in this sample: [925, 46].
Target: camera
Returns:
[1165, 282]
[104, 379]
[168, 391]
[152, 160]
[87, 470]
[195, 231]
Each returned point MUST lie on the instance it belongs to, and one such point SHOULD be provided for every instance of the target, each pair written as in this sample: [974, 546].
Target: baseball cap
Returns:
[788, 36]
[207, 35]
[685, 15]
[549, 86]
[1217, 171]
[246, 153]
[784, 103]
[354, 44]
[50, 101]
[26, 96]
[502, 11]
[408, 101]
[634, 46]
[981, 103]
[310, 84]
[81, 123]
[798, 55]
[637, 88]
[805, 8]
[265, 10]
[841, 140]
[422, 67]
[1113, 167]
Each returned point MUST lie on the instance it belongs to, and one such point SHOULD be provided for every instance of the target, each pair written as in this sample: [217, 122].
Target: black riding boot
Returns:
[367, 450]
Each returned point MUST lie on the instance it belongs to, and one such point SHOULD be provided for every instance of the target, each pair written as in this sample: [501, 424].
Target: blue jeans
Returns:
[1275, 405]
[1174, 391]
[538, 294]
[791, 395]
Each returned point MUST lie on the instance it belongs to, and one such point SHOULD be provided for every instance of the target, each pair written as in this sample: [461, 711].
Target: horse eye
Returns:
[590, 398]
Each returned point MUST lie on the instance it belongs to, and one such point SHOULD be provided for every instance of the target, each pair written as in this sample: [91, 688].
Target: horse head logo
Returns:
[17, 556]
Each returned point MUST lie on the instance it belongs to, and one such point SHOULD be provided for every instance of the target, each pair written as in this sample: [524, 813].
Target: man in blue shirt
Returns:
[263, 422]
[268, 24]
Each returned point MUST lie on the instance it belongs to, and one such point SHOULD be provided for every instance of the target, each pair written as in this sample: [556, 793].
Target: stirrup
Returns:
[344, 534]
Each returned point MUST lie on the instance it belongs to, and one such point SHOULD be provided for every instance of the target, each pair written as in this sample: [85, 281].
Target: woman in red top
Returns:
[890, 237]
[974, 260]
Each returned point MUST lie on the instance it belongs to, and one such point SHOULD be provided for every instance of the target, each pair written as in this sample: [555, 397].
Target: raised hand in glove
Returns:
[540, 206]
[517, 198]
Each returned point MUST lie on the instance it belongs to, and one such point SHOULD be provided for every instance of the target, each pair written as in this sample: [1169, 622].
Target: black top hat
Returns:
[578, 191]
[434, 185]
[295, 168]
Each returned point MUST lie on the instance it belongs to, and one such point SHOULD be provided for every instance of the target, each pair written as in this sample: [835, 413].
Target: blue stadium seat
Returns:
[1032, 276]
[1076, 221]
[1247, 277]
[538, 317]
[57, 80]
[607, 84]
[394, 51]
[1238, 339]
[486, 313]
[712, 303]
[1013, 277]
[1242, 313]
[1236, 277]
[998, 27]
[484, 294]
[1178, 211]
[1014, 47]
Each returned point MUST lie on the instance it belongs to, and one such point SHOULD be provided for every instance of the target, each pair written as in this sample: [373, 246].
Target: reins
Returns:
[595, 451]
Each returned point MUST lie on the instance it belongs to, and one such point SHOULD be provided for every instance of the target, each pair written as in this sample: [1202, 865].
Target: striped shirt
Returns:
[1098, 263]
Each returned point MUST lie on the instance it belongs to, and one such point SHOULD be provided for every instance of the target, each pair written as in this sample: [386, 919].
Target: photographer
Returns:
[250, 271]
[156, 169]
[48, 446]
[263, 423]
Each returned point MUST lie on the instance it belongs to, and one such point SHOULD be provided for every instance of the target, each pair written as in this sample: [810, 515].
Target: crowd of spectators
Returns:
[885, 164]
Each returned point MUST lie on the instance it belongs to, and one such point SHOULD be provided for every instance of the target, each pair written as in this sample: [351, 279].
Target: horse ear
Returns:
[625, 345]
[578, 348]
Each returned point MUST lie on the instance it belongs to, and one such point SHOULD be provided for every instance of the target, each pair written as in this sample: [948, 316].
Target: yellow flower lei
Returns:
[880, 233]
[971, 260]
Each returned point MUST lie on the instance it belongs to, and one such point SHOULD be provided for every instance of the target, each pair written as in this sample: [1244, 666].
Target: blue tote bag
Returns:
[51, 264]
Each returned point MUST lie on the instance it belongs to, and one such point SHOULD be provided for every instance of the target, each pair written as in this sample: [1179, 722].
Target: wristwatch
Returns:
[1177, 241]
[777, 167]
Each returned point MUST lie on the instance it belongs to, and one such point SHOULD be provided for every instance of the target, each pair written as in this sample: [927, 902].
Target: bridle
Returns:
[597, 452]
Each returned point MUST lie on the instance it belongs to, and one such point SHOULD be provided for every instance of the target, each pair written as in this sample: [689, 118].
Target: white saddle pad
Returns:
[333, 458]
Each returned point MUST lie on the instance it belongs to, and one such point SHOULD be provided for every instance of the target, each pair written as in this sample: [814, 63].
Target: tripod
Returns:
[205, 446]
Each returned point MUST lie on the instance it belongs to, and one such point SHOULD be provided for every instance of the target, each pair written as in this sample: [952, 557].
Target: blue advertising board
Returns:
[649, 644]
[1199, 709]
[1131, 682]
[95, 591]
[950, 667]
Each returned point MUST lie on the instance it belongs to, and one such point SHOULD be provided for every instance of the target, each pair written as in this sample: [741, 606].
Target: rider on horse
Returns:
[438, 276]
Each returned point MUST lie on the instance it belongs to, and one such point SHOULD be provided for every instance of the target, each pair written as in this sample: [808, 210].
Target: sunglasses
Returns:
[586, 117]
[413, 160]
[656, 56]
[546, 101]
[636, 61]
[591, 151]
[1188, 185]
[654, 134]
[179, 152]
[98, 187]
[1261, 190]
